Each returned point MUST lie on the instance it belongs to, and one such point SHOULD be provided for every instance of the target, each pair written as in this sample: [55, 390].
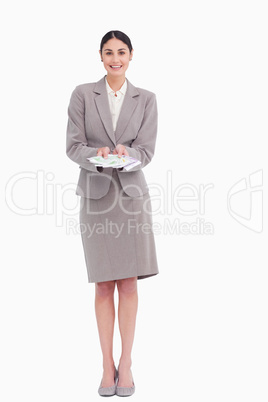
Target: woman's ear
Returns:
[100, 55]
[131, 54]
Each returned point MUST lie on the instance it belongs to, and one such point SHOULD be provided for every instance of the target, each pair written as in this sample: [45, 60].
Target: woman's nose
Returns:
[115, 58]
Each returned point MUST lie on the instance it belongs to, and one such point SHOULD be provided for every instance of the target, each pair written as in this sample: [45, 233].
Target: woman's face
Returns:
[115, 56]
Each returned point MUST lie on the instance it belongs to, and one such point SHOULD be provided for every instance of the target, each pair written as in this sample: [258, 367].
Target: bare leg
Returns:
[127, 311]
[105, 315]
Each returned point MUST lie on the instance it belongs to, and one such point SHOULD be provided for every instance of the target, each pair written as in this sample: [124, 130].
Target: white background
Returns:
[202, 324]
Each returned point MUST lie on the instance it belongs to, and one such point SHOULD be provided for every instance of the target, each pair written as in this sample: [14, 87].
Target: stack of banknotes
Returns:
[126, 162]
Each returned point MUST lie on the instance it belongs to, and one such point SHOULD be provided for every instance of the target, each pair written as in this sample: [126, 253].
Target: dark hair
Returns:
[118, 35]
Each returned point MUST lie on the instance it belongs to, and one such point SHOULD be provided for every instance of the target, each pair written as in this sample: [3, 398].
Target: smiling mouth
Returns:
[116, 67]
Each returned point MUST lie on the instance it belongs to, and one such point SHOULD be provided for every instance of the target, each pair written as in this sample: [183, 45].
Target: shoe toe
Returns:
[125, 391]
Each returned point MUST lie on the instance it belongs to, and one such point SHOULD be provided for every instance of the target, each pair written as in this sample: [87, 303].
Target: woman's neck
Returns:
[115, 82]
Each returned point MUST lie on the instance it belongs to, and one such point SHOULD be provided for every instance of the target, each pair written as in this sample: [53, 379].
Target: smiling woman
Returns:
[113, 116]
[116, 52]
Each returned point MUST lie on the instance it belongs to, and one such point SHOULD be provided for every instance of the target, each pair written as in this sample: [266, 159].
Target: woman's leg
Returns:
[127, 311]
[105, 315]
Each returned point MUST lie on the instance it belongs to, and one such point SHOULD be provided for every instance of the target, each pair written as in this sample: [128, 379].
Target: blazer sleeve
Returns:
[143, 146]
[77, 148]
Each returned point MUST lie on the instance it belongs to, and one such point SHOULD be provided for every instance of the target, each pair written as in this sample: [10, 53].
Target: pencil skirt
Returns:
[117, 235]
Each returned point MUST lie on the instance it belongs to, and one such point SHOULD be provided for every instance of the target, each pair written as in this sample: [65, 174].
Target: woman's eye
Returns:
[109, 53]
[122, 53]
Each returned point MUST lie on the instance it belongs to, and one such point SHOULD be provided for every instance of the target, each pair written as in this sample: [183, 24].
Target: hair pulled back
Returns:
[118, 35]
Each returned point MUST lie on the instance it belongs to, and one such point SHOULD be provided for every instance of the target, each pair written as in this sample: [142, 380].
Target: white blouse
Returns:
[115, 101]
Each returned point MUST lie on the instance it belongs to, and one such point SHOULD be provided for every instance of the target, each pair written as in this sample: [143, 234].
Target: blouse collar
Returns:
[122, 90]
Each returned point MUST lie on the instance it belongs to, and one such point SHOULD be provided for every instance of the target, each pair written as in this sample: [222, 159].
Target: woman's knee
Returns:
[105, 289]
[127, 286]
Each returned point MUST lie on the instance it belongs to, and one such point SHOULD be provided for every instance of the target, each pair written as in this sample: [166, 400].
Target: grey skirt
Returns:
[117, 235]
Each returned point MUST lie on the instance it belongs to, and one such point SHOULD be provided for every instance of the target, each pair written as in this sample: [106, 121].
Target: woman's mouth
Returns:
[116, 67]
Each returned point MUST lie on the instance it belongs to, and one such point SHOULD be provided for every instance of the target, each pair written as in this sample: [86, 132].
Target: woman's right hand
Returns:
[104, 151]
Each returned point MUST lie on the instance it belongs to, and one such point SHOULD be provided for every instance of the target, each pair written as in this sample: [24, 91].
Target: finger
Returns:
[119, 153]
[120, 150]
[106, 151]
[123, 151]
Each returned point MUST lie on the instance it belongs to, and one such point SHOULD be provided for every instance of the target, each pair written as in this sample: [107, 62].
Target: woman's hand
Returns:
[120, 150]
[104, 151]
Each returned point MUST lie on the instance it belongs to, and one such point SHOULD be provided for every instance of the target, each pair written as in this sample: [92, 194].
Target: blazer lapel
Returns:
[102, 105]
[127, 109]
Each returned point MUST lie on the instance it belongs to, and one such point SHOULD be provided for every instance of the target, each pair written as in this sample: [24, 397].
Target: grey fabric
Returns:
[125, 391]
[117, 235]
[90, 127]
[115, 214]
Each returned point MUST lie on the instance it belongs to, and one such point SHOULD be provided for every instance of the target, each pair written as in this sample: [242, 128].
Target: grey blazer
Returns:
[90, 127]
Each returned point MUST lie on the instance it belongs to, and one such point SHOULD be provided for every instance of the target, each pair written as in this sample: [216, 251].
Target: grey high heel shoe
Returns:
[109, 391]
[125, 391]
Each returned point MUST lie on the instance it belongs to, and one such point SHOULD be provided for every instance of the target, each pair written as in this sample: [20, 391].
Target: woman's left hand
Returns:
[120, 150]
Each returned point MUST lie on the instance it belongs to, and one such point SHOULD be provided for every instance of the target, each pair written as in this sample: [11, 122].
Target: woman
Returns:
[113, 116]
